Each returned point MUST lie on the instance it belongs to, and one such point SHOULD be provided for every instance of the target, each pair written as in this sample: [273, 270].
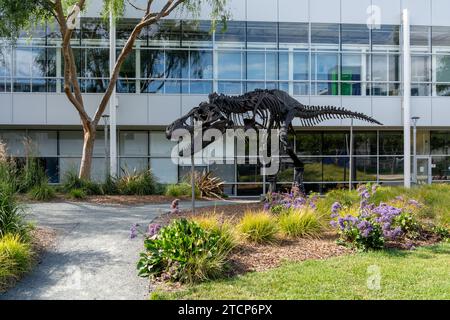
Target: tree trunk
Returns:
[88, 151]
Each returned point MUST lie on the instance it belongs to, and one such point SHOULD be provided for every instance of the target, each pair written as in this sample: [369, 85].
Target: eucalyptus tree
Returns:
[19, 15]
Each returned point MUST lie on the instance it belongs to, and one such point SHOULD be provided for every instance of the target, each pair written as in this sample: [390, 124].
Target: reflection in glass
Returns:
[335, 169]
[355, 34]
[386, 35]
[391, 168]
[292, 32]
[391, 142]
[230, 65]
[262, 32]
[335, 143]
[325, 33]
[365, 169]
[441, 168]
[365, 143]
[440, 142]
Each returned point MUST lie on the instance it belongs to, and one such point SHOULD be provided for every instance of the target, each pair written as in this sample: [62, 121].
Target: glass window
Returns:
[201, 64]
[391, 143]
[325, 66]
[177, 64]
[94, 29]
[166, 32]
[440, 142]
[313, 170]
[14, 142]
[365, 169]
[45, 143]
[124, 29]
[301, 65]
[283, 67]
[335, 169]
[128, 69]
[336, 143]
[441, 169]
[97, 63]
[391, 168]
[23, 62]
[197, 33]
[152, 64]
[420, 37]
[387, 35]
[164, 170]
[292, 32]
[261, 33]
[133, 143]
[394, 67]
[133, 164]
[442, 68]
[309, 143]
[365, 143]
[441, 37]
[233, 32]
[5, 61]
[355, 35]
[351, 72]
[325, 33]
[256, 63]
[248, 173]
[160, 146]
[379, 67]
[230, 65]
[420, 68]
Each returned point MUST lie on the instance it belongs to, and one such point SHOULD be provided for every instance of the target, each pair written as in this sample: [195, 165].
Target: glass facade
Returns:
[184, 57]
[378, 157]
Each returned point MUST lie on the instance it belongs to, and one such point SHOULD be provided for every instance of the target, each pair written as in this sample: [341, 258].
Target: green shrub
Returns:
[137, 183]
[15, 258]
[300, 223]
[78, 194]
[43, 192]
[181, 190]
[185, 252]
[217, 225]
[109, 187]
[71, 181]
[12, 215]
[33, 174]
[259, 227]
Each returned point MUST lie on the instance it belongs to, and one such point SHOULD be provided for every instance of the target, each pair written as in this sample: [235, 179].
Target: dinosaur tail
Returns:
[313, 115]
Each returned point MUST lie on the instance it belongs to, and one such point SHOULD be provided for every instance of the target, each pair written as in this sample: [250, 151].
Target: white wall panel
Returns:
[357, 104]
[132, 109]
[192, 101]
[262, 10]
[60, 111]
[390, 11]
[388, 110]
[421, 107]
[5, 109]
[440, 12]
[163, 109]
[29, 108]
[325, 11]
[441, 112]
[355, 11]
[419, 10]
[293, 10]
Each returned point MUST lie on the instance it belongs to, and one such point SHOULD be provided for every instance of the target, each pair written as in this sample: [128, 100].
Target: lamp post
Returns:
[105, 123]
[350, 174]
[415, 120]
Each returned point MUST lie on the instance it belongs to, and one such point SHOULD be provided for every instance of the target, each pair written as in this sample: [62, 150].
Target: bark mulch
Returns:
[261, 257]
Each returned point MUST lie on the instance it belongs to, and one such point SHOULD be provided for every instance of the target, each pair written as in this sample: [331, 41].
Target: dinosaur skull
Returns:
[208, 115]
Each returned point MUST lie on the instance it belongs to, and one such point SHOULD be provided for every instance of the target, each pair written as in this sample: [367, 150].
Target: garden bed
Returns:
[42, 241]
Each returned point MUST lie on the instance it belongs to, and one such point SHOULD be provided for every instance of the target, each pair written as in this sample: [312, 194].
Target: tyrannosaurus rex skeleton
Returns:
[261, 109]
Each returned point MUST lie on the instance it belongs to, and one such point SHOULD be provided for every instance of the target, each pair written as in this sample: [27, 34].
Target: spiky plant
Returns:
[207, 184]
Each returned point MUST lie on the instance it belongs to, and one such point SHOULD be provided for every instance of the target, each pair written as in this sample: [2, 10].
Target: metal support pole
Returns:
[350, 174]
[415, 119]
[113, 103]
[193, 167]
[105, 119]
[406, 99]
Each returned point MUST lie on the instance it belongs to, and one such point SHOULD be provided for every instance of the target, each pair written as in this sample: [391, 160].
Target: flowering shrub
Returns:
[373, 226]
[277, 203]
[185, 252]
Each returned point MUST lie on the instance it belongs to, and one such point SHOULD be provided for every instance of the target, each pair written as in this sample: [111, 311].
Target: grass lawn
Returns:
[420, 274]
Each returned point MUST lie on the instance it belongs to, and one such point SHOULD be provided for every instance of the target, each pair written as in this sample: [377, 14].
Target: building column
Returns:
[113, 103]
[406, 99]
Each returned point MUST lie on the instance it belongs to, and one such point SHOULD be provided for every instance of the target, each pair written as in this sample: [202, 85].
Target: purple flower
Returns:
[374, 188]
[414, 203]
[266, 206]
[399, 198]
[153, 229]
[134, 231]
[336, 207]
[333, 223]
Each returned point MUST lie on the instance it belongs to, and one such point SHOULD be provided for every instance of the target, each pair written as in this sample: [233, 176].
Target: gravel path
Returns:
[93, 256]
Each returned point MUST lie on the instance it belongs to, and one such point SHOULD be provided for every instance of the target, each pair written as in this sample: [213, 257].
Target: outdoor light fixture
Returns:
[105, 118]
[415, 120]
